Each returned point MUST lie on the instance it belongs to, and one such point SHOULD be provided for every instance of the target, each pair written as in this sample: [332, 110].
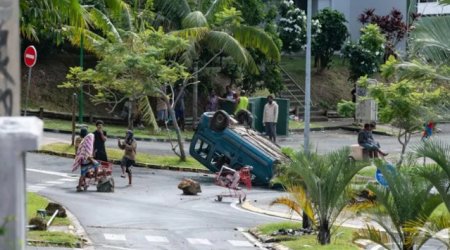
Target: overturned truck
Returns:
[220, 139]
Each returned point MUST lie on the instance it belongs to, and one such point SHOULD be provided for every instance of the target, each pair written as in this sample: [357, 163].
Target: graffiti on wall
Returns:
[6, 80]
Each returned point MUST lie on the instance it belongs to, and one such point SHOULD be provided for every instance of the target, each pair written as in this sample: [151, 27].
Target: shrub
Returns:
[346, 108]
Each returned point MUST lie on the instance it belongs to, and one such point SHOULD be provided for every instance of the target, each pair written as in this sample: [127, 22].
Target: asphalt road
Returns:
[323, 141]
[151, 214]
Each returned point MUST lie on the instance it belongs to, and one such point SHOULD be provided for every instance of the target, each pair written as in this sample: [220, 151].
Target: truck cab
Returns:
[219, 140]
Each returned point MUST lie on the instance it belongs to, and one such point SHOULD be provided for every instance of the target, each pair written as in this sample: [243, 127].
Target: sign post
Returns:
[30, 57]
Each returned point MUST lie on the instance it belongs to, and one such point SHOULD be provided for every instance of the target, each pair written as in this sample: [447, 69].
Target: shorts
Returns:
[128, 164]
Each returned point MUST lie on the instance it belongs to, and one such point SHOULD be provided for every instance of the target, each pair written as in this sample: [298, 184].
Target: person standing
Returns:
[161, 110]
[270, 118]
[241, 102]
[83, 133]
[213, 102]
[179, 106]
[129, 157]
[99, 142]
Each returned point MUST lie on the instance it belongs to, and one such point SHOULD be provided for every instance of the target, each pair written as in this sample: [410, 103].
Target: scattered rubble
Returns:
[189, 187]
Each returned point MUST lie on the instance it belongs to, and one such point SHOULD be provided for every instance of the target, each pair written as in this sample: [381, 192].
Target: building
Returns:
[353, 8]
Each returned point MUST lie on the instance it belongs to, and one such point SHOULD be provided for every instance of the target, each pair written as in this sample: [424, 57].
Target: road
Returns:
[323, 141]
[151, 214]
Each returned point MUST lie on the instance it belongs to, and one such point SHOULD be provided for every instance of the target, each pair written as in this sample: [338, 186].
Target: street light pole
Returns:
[308, 77]
[80, 99]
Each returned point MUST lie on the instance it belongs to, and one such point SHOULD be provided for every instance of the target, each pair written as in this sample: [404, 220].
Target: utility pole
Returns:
[308, 77]
[81, 98]
[195, 97]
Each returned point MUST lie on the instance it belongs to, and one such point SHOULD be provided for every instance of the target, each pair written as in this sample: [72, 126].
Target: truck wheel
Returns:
[220, 121]
[244, 117]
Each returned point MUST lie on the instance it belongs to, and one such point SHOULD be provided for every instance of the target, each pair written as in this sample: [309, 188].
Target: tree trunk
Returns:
[404, 143]
[306, 223]
[178, 132]
[324, 236]
[195, 97]
[130, 116]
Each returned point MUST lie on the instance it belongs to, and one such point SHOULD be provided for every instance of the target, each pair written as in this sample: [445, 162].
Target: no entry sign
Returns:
[30, 56]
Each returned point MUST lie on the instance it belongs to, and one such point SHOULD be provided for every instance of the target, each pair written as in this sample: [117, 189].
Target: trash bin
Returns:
[228, 106]
[256, 106]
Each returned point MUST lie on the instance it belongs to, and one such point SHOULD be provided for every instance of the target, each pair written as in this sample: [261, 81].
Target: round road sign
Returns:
[30, 56]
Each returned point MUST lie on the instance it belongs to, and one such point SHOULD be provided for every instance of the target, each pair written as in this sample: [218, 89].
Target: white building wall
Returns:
[432, 8]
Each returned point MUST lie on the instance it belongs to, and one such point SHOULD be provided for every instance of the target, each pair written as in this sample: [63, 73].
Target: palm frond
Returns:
[195, 19]
[91, 41]
[73, 11]
[424, 229]
[102, 22]
[253, 37]
[189, 55]
[147, 113]
[192, 34]
[173, 9]
[374, 235]
[430, 40]
[217, 6]
[444, 2]
[288, 202]
[220, 40]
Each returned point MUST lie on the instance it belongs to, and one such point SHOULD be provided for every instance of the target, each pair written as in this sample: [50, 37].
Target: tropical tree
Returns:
[318, 185]
[366, 55]
[138, 66]
[406, 103]
[437, 173]
[331, 37]
[406, 202]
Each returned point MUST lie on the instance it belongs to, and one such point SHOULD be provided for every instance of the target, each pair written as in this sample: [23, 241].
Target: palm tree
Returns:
[216, 28]
[407, 200]
[437, 173]
[319, 186]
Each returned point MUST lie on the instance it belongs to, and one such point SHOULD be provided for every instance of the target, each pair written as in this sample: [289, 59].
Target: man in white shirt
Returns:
[270, 118]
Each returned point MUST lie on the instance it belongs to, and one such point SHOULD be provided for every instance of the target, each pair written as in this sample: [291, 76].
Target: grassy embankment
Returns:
[47, 238]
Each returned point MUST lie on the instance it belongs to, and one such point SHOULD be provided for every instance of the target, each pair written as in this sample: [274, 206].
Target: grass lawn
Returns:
[115, 130]
[301, 125]
[116, 154]
[341, 239]
[35, 202]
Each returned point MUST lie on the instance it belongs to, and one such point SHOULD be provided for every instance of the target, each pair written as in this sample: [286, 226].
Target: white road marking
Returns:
[240, 243]
[68, 179]
[35, 188]
[55, 182]
[152, 238]
[115, 237]
[195, 241]
[45, 184]
[48, 172]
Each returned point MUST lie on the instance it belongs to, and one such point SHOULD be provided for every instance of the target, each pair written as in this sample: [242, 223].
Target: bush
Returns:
[331, 38]
[365, 56]
[346, 108]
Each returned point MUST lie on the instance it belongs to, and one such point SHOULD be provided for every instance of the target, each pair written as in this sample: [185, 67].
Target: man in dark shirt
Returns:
[99, 142]
[365, 140]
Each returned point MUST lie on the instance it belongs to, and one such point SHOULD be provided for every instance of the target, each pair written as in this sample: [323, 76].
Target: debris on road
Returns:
[189, 187]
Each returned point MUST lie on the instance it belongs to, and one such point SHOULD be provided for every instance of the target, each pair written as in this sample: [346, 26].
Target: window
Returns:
[202, 148]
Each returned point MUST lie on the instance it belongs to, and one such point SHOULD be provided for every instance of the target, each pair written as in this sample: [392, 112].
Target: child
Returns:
[128, 160]
[428, 130]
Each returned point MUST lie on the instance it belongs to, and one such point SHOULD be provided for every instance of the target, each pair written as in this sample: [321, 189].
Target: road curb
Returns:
[249, 207]
[138, 164]
[272, 243]
[150, 139]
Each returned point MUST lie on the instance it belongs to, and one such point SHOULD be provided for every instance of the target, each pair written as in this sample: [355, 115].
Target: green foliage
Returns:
[134, 68]
[407, 199]
[325, 179]
[365, 56]
[331, 38]
[292, 27]
[252, 11]
[437, 173]
[346, 108]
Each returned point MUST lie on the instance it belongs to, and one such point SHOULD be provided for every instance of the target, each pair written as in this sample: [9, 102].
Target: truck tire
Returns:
[244, 117]
[105, 184]
[220, 121]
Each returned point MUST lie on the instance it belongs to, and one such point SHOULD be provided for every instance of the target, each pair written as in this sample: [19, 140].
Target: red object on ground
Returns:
[30, 56]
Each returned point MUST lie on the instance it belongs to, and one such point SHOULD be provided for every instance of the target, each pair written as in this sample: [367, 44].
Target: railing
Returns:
[296, 84]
